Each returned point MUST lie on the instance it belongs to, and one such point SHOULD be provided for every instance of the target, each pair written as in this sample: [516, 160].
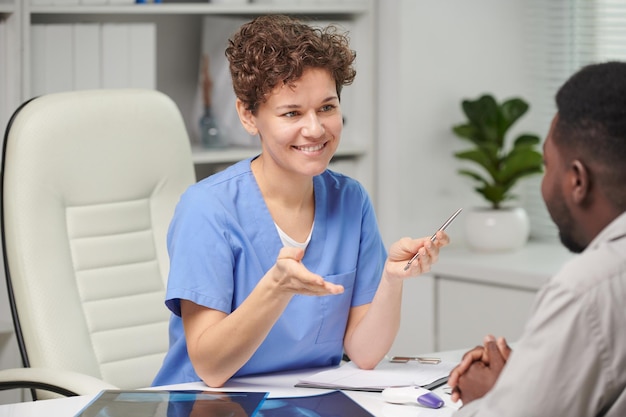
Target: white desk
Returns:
[278, 385]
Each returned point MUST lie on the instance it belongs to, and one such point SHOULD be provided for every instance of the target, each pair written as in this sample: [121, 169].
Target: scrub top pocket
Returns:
[335, 308]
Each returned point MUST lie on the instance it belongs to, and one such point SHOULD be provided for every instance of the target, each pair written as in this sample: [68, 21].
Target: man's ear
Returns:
[581, 182]
[246, 117]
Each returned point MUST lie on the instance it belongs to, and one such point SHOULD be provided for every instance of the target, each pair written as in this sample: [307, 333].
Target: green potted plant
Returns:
[501, 165]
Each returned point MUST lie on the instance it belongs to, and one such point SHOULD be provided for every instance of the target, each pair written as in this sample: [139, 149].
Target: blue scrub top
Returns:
[222, 240]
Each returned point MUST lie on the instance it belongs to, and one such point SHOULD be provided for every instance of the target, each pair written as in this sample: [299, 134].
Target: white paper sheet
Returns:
[386, 374]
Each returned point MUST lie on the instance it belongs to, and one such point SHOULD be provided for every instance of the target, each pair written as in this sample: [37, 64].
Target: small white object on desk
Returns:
[422, 396]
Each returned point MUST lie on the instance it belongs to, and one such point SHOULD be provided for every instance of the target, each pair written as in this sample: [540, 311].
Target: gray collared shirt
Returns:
[571, 358]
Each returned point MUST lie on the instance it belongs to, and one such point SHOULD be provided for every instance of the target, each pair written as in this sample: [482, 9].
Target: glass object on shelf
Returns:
[210, 133]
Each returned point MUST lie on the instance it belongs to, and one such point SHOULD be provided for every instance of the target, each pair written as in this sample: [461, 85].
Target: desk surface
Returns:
[278, 385]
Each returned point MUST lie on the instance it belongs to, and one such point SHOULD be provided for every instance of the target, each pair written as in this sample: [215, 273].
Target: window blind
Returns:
[562, 36]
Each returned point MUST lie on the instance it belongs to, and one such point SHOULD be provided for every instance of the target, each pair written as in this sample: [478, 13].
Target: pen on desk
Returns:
[434, 236]
[420, 359]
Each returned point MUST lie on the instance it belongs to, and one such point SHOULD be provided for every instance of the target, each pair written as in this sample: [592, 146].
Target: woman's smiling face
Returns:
[300, 124]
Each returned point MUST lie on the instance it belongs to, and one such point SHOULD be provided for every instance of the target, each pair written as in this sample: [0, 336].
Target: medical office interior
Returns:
[416, 61]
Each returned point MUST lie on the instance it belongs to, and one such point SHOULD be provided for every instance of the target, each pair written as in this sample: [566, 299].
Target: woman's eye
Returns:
[327, 107]
[291, 114]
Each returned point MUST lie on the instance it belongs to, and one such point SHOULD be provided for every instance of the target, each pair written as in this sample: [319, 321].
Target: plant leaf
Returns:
[511, 111]
[486, 126]
[526, 140]
[466, 131]
[481, 157]
[474, 175]
[519, 163]
[483, 113]
[493, 193]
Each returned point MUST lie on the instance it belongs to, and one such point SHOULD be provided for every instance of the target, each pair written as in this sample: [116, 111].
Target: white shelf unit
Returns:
[180, 29]
[10, 35]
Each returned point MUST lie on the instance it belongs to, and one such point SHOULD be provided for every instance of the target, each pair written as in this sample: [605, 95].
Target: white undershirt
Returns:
[289, 242]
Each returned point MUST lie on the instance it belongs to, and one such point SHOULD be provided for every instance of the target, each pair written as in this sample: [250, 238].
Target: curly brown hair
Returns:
[275, 49]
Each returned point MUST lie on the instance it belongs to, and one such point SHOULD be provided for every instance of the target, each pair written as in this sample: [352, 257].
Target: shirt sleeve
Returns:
[372, 256]
[201, 257]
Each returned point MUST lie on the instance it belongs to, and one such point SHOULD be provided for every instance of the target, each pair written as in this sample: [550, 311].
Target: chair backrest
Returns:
[90, 183]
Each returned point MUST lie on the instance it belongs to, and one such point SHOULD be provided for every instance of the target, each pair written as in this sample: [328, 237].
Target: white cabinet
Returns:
[467, 311]
[476, 294]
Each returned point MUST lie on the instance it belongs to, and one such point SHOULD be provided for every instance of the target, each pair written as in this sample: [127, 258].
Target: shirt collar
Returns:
[613, 231]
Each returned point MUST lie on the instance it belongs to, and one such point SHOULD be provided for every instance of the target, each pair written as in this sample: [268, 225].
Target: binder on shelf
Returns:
[142, 55]
[37, 59]
[52, 58]
[93, 2]
[86, 56]
[115, 55]
[58, 60]
[128, 55]
[4, 55]
[120, 2]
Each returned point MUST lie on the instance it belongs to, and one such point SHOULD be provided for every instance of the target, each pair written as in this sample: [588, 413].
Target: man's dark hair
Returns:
[592, 122]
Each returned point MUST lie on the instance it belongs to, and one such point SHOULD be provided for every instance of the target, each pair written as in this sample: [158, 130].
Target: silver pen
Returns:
[434, 236]
[420, 359]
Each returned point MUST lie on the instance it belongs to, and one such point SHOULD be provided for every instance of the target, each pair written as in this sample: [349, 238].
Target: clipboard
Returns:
[386, 374]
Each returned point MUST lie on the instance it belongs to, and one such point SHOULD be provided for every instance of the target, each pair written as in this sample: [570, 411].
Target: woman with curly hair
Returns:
[277, 262]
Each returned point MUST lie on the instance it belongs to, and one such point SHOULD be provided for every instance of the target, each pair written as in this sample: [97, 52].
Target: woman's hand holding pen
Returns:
[405, 249]
[372, 328]
[291, 276]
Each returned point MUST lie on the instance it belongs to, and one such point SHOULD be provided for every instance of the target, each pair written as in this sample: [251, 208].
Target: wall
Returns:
[433, 54]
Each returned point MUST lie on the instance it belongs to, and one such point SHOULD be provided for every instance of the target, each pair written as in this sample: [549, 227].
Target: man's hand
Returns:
[490, 357]
[470, 357]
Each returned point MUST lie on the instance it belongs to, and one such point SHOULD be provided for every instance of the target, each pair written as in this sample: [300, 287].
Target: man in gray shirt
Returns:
[571, 358]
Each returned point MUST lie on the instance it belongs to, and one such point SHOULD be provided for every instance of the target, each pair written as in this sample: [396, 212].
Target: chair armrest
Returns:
[59, 381]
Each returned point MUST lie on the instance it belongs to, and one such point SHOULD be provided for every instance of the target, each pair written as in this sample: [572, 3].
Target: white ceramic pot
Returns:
[490, 230]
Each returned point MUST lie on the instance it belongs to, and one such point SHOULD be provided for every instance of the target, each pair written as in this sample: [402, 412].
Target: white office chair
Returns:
[90, 180]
